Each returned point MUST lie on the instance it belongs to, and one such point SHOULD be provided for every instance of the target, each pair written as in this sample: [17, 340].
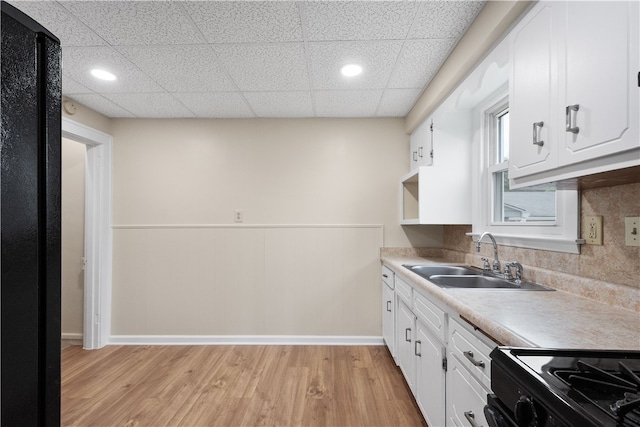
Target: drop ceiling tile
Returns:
[281, 104]
[152, 105]
[444, 19]
[376, 58]
[61, 23]
[180, 68]
[101, 105]
[137, 22]
[216, 104]
[70, 86]
[246, 22]
[347, 103]
[419, 61]
[356, 20]
[77, 63]
[397, 102]
[265, 67]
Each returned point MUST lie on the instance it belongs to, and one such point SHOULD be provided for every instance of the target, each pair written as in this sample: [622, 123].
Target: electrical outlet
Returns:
[593, 232]
[632, 231]
[238, 215]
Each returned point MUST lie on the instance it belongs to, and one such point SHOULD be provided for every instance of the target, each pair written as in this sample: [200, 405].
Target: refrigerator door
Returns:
[30, 222]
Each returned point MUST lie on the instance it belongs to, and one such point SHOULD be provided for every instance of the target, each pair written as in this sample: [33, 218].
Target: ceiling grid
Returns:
[245, 59]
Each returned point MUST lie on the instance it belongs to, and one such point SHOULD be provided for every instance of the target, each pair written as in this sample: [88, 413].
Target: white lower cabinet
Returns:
[405, 327]
[388, 317]
[444, 360]
[430, 375]
[466, 397]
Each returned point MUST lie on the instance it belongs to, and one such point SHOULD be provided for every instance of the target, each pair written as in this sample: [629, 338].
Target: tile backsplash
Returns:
[613, 262]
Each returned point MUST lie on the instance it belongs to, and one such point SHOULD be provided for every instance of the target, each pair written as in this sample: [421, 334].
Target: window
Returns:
[541, 216]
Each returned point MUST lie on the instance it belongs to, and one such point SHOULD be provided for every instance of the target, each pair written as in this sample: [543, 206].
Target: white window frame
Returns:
[559, 236]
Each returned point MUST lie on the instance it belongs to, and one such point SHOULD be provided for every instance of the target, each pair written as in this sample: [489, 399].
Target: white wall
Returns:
[73, 187]
[319, 198]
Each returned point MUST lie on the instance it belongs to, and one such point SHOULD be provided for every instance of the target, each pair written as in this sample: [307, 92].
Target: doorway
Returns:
[74, 159]
[96, 313]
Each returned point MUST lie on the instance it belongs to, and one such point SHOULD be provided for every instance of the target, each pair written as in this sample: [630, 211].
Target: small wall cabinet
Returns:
[440, 193]
[574, 96]
[421, 142]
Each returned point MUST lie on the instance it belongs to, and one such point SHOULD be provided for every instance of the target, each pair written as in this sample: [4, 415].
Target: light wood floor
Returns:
[234, 386]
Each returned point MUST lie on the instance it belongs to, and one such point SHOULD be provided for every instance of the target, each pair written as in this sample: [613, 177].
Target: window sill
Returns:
[545, 243]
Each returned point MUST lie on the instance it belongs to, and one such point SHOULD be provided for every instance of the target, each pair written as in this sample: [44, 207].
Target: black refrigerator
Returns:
[30, 222]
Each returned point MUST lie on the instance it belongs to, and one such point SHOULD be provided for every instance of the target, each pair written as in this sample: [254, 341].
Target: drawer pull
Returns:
[470, 416]
[388, 306]
[469, 355]
[385, 276]
[407, 332]
[415, 348]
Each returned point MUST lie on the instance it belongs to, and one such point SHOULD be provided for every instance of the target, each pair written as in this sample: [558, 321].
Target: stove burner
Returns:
[617, 393]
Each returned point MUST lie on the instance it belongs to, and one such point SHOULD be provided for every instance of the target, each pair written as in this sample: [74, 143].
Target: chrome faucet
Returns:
[496, 261]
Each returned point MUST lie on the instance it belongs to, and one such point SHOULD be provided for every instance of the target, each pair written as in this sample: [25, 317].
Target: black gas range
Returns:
[551, 387]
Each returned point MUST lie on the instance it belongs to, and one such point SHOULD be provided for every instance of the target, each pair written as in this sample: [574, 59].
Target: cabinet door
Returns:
[405, 327]
[421, 144]
[465, 397]
[599, 56]
[430, 375]
[388, 303]
[533, 93]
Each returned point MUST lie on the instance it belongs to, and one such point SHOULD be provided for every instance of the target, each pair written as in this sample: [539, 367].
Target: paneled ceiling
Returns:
[245, 59]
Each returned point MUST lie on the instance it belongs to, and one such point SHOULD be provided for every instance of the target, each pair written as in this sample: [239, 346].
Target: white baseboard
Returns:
[243, 340]
[71, 336]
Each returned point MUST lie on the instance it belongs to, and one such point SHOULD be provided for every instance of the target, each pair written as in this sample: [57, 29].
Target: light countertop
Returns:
[555, 319]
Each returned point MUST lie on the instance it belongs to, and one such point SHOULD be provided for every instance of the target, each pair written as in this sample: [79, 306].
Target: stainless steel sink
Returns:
[453, 276]
[427, 271]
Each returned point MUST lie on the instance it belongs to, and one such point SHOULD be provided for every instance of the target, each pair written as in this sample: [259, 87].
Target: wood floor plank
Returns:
[235, 386]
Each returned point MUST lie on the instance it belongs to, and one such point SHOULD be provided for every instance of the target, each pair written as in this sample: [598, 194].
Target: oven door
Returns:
[497, 414]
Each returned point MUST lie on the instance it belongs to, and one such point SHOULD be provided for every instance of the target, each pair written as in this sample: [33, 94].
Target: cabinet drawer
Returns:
[387, 276]
[471, 351]
[404, 291]
[430, 314]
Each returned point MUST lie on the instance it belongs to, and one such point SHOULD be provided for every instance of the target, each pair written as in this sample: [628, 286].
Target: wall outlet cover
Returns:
[592, 233]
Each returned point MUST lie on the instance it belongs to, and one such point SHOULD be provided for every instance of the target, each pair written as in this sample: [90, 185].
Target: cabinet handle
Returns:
[415, 348]
[407, 332]
[385, 276]
[469, 355]
[470, 416]
[388, 308]
[415, 156]
[536, 134]
[568, 110]
[420, 152]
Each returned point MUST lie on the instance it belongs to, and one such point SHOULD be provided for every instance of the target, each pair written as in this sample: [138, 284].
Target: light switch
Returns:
[632, 231]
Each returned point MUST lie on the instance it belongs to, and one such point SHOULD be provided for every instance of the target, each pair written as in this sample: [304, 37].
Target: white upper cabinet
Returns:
[574, 95]
[421, 141]
[532, 93]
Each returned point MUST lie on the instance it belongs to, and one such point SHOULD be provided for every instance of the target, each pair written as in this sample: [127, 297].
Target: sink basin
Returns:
[462, 277]
[427, 271]
[484, 282]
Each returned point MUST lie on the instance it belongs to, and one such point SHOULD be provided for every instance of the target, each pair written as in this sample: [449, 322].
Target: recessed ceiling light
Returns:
[102, 74]
[351, 70]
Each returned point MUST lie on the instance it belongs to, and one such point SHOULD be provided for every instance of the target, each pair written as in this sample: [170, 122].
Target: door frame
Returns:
[98, 235]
